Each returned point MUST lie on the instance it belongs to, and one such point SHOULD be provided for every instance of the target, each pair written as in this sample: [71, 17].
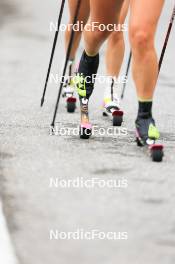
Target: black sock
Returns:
[88, 68]
[145, 109]
[89, 64]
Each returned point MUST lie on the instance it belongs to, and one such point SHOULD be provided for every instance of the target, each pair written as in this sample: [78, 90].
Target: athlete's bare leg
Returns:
[104, 12]
[83, 17]
[82, 20]
[143, 23]
[116, 46]
[114, 58]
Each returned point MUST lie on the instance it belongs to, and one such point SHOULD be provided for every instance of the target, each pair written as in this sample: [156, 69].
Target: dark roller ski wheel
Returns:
[85, 133]
[105, 114]
[117, 118]
[71, 105]
[139, 144]
[157, 153]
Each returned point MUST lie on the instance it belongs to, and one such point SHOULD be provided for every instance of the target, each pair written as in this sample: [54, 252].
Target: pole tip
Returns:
[52, 132]
[52, 125]
[42, 101]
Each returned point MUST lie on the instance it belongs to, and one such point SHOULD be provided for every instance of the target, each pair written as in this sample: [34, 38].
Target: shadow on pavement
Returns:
[7, 9]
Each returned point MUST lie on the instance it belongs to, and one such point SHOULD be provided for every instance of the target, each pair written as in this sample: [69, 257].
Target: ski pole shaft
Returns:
[53, 51]
[66, 63]
[126, 75]
[167, 38]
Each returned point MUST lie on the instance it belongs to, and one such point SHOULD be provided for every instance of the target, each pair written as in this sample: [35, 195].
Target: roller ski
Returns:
[69, 90]
[85, 126]
[111, 107]
[146, 136]
[70, 99]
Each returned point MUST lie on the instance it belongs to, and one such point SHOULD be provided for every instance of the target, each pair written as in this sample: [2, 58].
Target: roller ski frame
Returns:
[85, 127]
[156, 151]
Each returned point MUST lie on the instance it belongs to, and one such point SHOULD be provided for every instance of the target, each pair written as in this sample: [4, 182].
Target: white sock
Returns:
[111, 86]
[71, 68]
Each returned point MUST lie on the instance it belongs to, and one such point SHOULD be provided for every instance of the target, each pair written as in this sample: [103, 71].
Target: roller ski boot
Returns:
[111, 107]
[69, 90]
[147, 134]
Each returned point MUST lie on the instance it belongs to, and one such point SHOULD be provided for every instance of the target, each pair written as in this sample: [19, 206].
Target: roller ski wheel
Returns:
[85, 131]
[117, 116]
[105, 114]
[71, 104]
[139, 143]
[115, 112]
[156, 152]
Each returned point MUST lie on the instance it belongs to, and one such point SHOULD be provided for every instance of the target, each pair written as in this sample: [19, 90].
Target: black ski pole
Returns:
[167, 38]
[66, 63]
[53, 51]
[126, 75]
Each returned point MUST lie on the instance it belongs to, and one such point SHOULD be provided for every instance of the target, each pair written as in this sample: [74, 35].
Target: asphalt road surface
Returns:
[142, 209]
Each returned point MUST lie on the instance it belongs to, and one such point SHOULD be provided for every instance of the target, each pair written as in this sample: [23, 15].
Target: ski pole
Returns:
[53, 51]
[126, 75]
[167, 38]
[66, 63]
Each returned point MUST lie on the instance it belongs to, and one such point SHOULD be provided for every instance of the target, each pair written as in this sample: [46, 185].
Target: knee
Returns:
[101, 36]
[116, 38]
[141, 40]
